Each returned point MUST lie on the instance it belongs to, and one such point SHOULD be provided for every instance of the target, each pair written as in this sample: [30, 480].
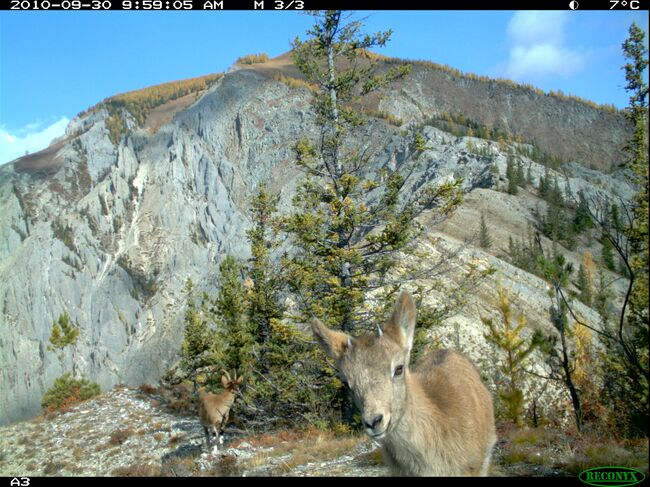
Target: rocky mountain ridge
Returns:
[109, 232]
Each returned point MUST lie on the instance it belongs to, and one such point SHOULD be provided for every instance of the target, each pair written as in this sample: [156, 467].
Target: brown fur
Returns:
[215, 408]
[436, 419]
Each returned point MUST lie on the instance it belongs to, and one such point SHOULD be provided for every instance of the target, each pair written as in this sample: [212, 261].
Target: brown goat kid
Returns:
[215, 408]
[436, 419]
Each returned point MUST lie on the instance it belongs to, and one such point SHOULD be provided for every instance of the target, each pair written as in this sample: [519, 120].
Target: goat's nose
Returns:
[372, 424]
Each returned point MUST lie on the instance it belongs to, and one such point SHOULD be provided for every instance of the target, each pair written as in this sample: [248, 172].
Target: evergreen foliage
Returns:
[266, 279]
[485, 240]
[586, 279]
[511, 175]
[67, 391]
[340, 258]
[507, 336]
[582, 219]
[235, 331]
[63, 333]
[200, 348]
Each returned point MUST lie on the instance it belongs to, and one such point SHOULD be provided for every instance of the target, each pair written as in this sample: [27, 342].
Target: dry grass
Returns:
[53, 468]
[608, 453]
[389, 117]
[176, 438]
[119, 436]
[567, 452]
[532, 436]
[148, 389]
[227, 466]
[373, 457]
[180, 467]
[77, 453]
[141, 470]
[295, 83]
[181, 406]
[300, 447]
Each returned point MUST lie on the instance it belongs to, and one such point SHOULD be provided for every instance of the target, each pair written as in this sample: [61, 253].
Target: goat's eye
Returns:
[399, 370]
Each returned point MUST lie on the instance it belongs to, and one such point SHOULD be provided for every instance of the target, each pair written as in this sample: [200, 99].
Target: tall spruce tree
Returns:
[350, 221]
[266, 280]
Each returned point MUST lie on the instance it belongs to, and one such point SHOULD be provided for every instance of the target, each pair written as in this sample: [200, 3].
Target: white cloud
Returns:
[538, 47]
[29, 139]
[540, 60]
[535, 27]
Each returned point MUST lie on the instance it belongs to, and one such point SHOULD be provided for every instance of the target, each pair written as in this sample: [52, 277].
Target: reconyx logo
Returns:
[611, 476]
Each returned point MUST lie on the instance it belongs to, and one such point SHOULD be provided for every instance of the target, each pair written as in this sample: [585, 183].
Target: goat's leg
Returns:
[216, 433]
[221, 426]
[485, 468]
[207, 436]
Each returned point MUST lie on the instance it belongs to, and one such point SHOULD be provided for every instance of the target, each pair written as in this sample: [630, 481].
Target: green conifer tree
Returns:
[63, 333]
[507, 337]
[511, 175]
[485, 240]
[265, 278]
[582, 219]
[200, 348]
[235, 330]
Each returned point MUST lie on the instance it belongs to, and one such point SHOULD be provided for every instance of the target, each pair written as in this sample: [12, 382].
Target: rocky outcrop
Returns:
[112, 235]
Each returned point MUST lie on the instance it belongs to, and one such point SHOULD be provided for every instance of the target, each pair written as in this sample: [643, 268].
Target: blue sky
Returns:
[55, 64]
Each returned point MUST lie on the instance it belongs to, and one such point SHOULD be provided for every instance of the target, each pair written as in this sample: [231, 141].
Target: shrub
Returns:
[138, 470]
[148, 389]
[389, 117]
[253, 58]
[119, 436]
[68, 391]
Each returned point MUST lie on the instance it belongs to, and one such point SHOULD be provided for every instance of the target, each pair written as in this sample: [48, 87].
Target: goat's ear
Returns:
[224, 381]
[240, 380]
[334, 342]
[401, 324]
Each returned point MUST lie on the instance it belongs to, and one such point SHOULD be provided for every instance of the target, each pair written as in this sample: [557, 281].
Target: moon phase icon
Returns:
[573, 5]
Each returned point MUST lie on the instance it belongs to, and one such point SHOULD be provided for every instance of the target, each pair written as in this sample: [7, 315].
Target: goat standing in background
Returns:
[214, 408]
[435, 420]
